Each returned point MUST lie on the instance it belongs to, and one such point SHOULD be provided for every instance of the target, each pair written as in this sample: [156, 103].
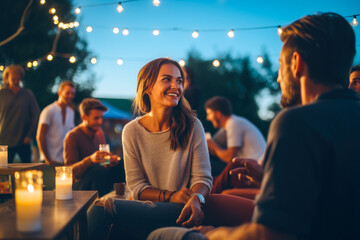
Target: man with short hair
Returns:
[237, 137]
[81, 151]
[55, 121]
[310, 184]
[354, 82]
[19, 114]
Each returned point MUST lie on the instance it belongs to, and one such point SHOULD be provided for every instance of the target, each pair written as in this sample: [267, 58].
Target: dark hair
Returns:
[181, 122]
[326, 42]
[221, 104]
[355, 68]
[14, 68]
[89, 104]
[66, 83]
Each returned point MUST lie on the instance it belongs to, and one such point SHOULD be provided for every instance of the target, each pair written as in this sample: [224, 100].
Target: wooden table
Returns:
[13, 167]
[59, 218]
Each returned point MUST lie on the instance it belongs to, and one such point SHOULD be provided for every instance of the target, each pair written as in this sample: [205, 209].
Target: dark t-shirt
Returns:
[311, 186]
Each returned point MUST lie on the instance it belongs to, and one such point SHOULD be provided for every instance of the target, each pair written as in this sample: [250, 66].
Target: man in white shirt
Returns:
[55, 121]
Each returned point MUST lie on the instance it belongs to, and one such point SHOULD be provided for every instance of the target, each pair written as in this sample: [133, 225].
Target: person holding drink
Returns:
[84, 152]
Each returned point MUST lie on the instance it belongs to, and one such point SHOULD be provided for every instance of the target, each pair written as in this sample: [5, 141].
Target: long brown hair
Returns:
[181, 121]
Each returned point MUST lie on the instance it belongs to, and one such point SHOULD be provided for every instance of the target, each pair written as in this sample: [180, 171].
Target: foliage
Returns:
[36, 41]
[237, 80]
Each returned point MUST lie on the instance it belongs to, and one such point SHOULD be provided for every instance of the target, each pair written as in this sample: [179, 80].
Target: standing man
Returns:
[237, 137]
[355, 78]
[81, 151]
[19, 114]
[55, 121]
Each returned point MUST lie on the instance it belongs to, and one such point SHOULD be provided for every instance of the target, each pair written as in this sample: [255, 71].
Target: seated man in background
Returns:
[81, 151]
[354, 82]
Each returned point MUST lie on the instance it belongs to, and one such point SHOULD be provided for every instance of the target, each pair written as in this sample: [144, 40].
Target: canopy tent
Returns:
[115, 113]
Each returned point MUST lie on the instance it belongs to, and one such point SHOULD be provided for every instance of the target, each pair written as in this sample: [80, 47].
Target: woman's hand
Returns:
[181, 196]
[192, 209]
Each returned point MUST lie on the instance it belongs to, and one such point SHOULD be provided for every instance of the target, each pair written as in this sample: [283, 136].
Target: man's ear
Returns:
[297, 65]
[83, 117]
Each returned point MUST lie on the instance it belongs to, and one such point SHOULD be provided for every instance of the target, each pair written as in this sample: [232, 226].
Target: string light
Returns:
[182, 63]
[72, 59]
[49, 57]
[29, 64]
[55, 18]
[116, 30]
[231, 33]
[42, 2]
[76, 24]
[52, 11]
[156, 32]
[119, 8]
[216, 63]
[260, 60]
[1, 68]
[195, 34]
[56, 22]
[355, 21]
[71, 25]
[35, 63]
[93, 60]
[125, 32]
[77, 10]
[89, 29]
[156, 3]
[279, 30]
[120, 62]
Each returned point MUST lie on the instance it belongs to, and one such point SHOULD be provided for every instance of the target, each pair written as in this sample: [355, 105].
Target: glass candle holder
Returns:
[63, 183]
[3, 156]
[28, 200]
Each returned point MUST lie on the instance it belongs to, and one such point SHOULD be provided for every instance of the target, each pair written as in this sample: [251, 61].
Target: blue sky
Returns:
[141, 46]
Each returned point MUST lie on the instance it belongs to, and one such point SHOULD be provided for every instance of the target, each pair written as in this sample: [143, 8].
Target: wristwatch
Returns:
[200, 197]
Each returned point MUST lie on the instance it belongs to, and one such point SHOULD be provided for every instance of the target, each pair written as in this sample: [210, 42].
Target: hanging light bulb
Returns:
[71, 25]
[49, 57]
[216, 63]
[195, 34]
[42, 2]
[55, 18]
[260, 60]
[231, 33]
[355, 21]
[119, 8]
[29, 64]
[61, 24]
[76, 24]
[116, 30]
[72, 59]
[1, 68]
[125, 32]
[89, 29]
[279, 30]
[52, 10]
[120, 61]
[93, 60]
[182, 62]
[78, 10]
[35, 63]
[156, 3]
[156, 32]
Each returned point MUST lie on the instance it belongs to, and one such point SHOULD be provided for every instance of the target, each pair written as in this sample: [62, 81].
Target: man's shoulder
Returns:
[76, 131]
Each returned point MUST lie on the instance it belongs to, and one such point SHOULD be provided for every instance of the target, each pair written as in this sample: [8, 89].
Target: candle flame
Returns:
[63, 177]
[30, 188]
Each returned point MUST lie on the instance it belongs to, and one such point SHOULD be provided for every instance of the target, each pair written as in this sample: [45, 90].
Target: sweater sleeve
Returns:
[201, 169]
[34, 114]
[71, 156]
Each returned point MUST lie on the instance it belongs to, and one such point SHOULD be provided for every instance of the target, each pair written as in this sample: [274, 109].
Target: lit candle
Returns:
[3, 156]
[28, 200]
[63, 183]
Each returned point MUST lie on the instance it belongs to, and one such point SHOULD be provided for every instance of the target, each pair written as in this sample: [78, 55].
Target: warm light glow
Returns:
[120, 61]
[55, 18]
[1, 68]
[77, 10]
[260, 60]
[125, 32]
[355, 21]
[49, 57]
[71, 25]
[29, 64]
[216, 63]
[61, 24]
[156, 32]
[30, 188]
[279, 30]
[231, 34]
[35, 63]
[52, 10]
[156, 3]
[195, 34]
[119, 8]
[42, 2]
[76, 24]
[182, 62]
[93, 60]
[63, 176]
[72, 59]
[89, 29]
[116, 30]
[56, 22]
